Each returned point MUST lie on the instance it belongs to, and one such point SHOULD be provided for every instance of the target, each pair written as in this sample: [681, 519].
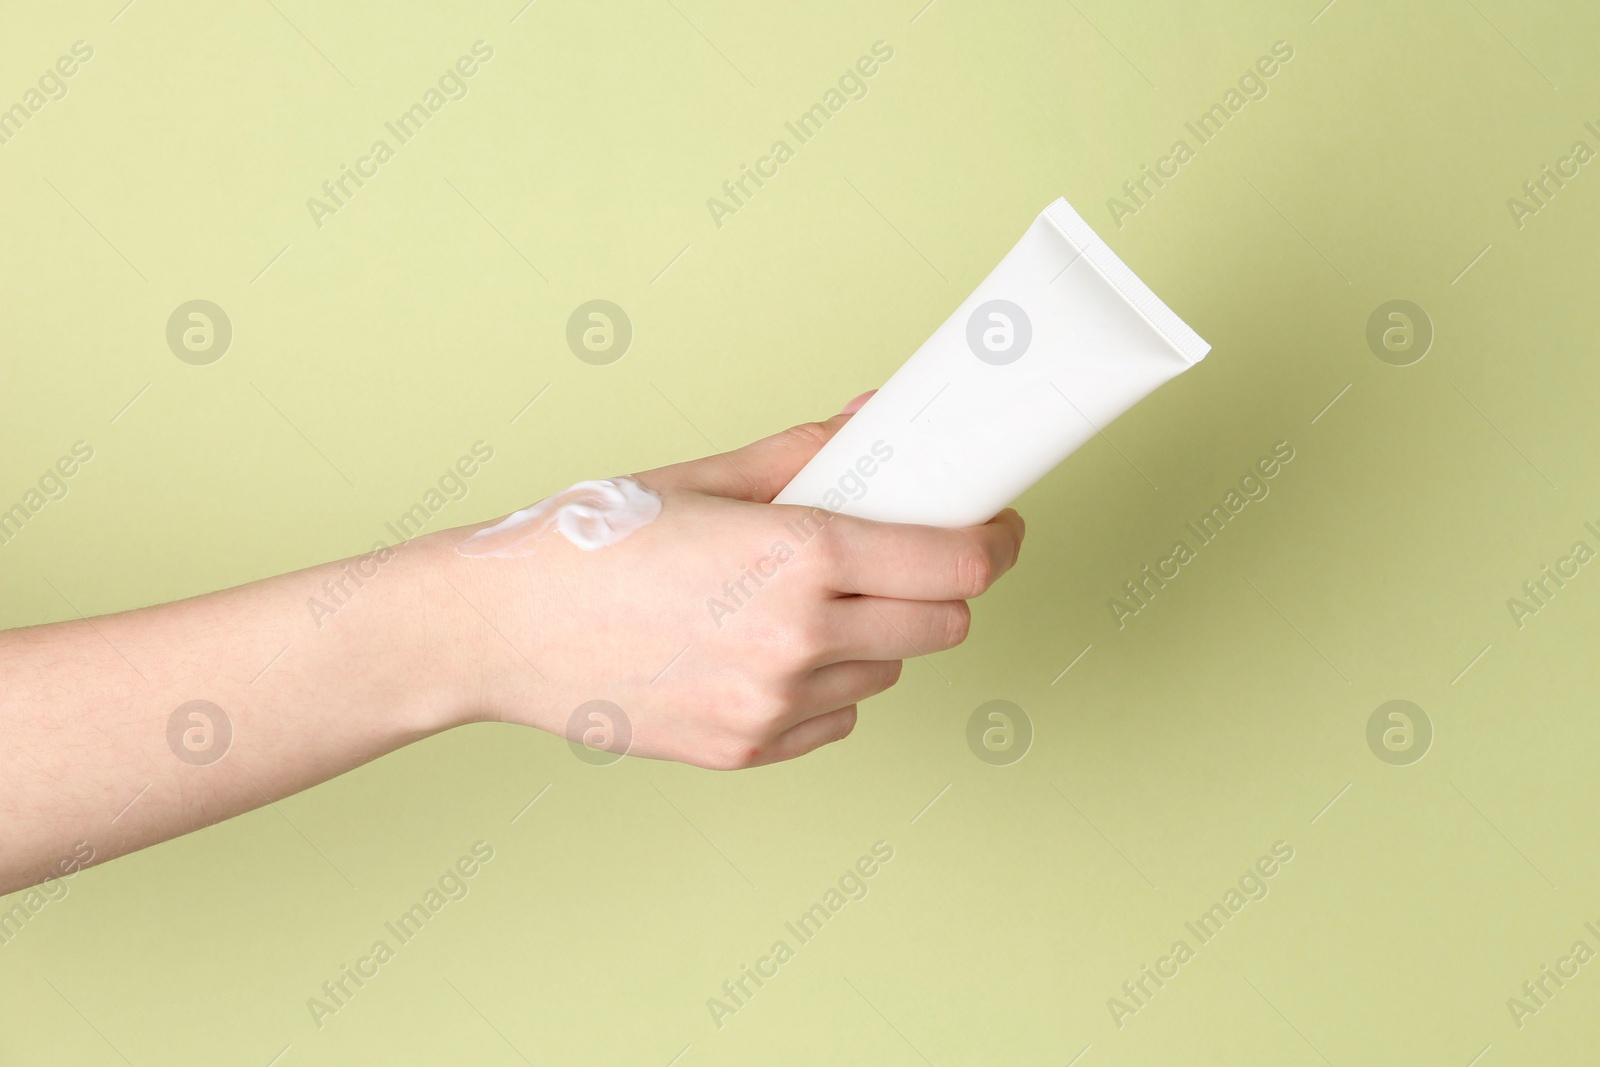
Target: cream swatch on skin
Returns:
[590, 514]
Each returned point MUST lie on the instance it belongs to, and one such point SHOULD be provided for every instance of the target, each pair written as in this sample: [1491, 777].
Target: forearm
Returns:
[304, 675]
[724, 632]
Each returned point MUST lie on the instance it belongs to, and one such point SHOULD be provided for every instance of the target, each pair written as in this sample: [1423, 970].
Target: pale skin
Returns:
[434, 640]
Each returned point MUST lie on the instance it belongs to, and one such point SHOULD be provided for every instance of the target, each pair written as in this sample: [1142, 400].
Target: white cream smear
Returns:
[589, 514]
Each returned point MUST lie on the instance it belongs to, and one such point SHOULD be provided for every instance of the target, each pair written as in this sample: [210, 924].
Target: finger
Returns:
[882, 628]
[857, 404]
[910, 562]
[837, 684]
[758, 471]
[808, 736]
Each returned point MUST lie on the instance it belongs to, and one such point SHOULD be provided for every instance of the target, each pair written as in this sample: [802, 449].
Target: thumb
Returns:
[758, 471]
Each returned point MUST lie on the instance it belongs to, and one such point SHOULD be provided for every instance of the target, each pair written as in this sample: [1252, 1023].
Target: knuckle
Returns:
[891, 674]
[757, 705]
[732, 704]
[826, 550]
[805, 640]
[957, 623]
[810, 434]
[847, 724]
[735, 754]
[975, 572]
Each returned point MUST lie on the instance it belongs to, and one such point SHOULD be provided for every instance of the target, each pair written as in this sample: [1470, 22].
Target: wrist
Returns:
[414, 659]
[449, 641]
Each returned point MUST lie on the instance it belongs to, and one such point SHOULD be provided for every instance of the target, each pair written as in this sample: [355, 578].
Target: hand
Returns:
[731, 632]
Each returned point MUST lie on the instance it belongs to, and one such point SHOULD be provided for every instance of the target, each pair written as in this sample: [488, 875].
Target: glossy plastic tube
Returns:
[1059, 340]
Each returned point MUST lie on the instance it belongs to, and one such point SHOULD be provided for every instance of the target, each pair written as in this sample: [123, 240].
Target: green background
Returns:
[370, 353]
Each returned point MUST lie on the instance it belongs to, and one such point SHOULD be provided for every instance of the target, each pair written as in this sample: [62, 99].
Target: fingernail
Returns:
[855, 405]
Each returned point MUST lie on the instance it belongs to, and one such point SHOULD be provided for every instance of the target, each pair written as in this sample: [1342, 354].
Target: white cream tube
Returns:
[1059, 340]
